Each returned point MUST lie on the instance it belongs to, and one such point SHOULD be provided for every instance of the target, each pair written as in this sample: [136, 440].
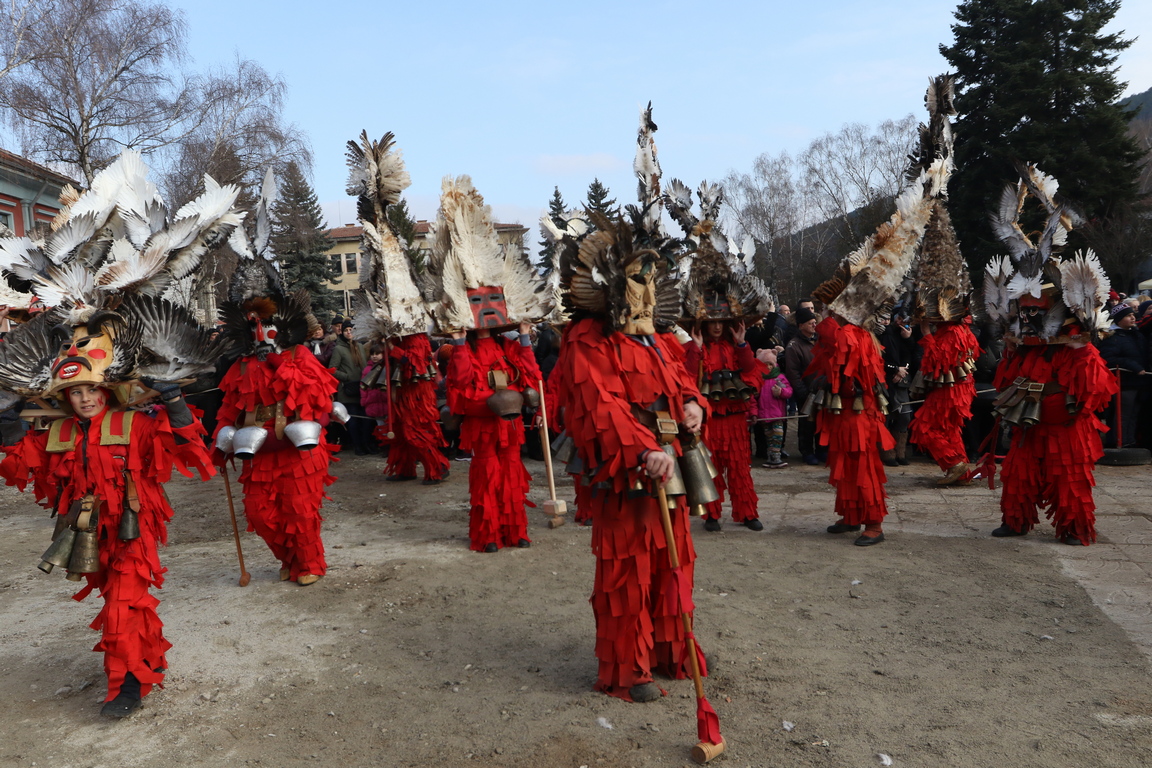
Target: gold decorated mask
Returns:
[84, 358]
[640, 295]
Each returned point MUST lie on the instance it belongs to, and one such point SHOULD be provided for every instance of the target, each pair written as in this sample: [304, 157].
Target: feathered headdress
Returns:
[480, 283]
[103, 271]
[719, 282]
[1071, 291]
[389, 301]
[871, 275]
[562, 233]
[941, 283]
[259, 317]
[593, 270]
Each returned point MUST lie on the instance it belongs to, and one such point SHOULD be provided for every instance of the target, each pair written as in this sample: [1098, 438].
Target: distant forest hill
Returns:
[1143, 101]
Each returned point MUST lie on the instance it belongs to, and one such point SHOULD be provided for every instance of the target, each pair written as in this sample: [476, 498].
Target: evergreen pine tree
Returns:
[1037, 84]
[598, 200]
[556, 211]
[300, 242]
[405, 227]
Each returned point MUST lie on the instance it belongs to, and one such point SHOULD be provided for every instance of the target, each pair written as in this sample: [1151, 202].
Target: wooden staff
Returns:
[705, 749]
[388, 386]
[554, 507]
[245, 577]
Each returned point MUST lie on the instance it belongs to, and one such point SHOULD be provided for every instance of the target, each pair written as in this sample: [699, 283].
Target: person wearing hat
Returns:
[797, 358]
[1127, 350]
[347, 364]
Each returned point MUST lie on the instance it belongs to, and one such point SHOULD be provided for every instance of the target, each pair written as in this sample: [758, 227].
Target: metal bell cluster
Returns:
[1020, 404]
[726, 385]
[75, 543]
[921, 383]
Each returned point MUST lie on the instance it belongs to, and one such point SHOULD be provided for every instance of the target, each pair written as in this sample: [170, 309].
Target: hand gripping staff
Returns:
[711, 742]
[556, 509]
[245, 577]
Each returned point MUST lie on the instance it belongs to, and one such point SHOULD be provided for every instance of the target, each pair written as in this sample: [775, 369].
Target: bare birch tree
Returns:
[106, 79]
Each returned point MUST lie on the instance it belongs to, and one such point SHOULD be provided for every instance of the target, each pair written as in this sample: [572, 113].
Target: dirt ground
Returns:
[939, 647]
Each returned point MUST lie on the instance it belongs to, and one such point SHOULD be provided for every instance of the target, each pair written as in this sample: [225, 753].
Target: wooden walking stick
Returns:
[388, 387]
[711, 742]
[245, 577]
[554, 507]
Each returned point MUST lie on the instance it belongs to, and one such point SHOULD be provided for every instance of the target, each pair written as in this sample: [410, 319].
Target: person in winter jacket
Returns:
[771, 406]
[375, 400]
[348, 364]
[1126, 349]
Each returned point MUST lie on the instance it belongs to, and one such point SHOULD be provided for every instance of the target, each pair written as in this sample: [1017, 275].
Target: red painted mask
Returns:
[488, 307]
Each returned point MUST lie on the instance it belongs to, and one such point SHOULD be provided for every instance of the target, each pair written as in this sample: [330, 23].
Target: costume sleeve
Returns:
[467, 394]
[692, 357]
[1084, 375]
[159, 451]
[28, 461]
[524, 359]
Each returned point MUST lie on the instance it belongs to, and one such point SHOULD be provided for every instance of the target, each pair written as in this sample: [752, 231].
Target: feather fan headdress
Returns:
[941, 283]
[593, 269]
[467, 257]
[719, 281]
[104, 269]
[259, 316]
[562, 232]
[872, 275]
[389, 301]
[1074, 289]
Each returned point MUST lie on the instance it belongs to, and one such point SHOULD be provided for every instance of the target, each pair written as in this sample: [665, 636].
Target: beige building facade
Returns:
[345, 253]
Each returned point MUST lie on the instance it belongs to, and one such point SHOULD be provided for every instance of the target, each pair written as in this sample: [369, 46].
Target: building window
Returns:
[350, 263]
[6, 219]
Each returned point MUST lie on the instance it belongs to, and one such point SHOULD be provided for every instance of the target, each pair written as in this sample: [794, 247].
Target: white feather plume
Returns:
[996, 300]
[1085, 288]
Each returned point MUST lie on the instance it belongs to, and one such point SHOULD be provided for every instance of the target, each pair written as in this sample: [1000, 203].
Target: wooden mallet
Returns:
[711, 742]
[245, 577]
[553, 507]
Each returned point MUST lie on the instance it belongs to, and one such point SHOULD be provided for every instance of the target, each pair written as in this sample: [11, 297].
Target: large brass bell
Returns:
[85, 553]
[1014, 414]
[834, 403]
[60, 551]
[129, 529]
[809, 405]
[694, 467]
[1031, 414]
[716, 391]
[506, 403]
[675, 486]
[730, 390]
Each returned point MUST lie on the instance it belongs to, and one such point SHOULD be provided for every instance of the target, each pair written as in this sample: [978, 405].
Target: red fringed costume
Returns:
[72, 460]
[497, 479]
[415, 420]
[848, 357]
[726, 432]
[283, 486]
[636, 597]
[948, 352]
[1050, 464]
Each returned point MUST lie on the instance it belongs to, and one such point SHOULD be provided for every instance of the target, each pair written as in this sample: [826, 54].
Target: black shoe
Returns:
[784, 454]
[754, 525]
[867, 541]
[491, 548]
[437, 481]
[902, 462]
[842, 528]
[645, 692]
[397, 478]
[1072, 540]
[1004, 530]
[523, 543]
[126, 702]
[811, 460]
[712, 524]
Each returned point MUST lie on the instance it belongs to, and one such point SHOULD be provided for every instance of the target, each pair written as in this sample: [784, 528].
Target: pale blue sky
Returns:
[524, 96]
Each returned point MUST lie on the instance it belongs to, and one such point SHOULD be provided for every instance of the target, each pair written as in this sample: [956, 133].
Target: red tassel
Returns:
[707, 722]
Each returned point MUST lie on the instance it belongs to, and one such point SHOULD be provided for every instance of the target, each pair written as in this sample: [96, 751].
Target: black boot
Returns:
[127, 701]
